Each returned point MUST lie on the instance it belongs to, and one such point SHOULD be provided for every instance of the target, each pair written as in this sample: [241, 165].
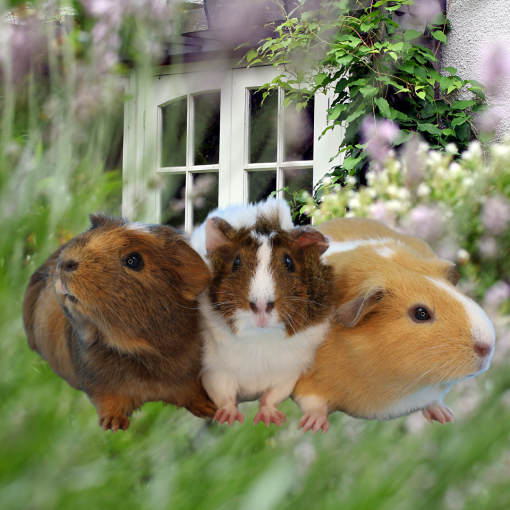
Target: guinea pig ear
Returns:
[215, 233]
[98, 220]
[189, 269]
[309, 236]
[350, 313]
[453, 276]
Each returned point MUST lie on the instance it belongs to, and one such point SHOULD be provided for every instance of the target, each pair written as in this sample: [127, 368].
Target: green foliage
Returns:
[375, 70]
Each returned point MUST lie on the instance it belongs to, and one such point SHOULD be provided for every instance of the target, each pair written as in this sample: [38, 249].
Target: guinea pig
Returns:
[403, 334]
[266, 310]
[114, 313]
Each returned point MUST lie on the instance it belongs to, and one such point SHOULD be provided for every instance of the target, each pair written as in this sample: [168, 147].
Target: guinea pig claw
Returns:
[438, 412]
[114, 423]
[314, 422]
[268, 415]
[228, 414]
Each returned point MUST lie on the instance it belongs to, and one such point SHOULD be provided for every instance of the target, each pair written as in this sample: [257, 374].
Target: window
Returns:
[199, 136]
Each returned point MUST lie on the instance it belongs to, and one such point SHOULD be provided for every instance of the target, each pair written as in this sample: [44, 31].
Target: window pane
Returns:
[261, 184]
[207, 128]
[263, 127]
[173, 137]
[205, 195]
[172, 200]
[298, 128]
[298, 179]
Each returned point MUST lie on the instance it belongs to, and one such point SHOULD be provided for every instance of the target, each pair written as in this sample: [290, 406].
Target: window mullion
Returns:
[280, 147]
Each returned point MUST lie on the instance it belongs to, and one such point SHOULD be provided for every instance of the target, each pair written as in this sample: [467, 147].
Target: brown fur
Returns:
[132, 336]
[303, 298]
[376, 354]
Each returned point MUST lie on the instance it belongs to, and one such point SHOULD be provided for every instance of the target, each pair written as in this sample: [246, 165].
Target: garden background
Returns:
[60, 160]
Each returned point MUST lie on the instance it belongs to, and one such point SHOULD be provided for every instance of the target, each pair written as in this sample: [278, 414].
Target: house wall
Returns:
[476, 25]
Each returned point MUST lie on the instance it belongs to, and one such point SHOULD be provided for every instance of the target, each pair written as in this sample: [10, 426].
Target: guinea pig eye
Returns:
[421, 314]
[133, 261]
[289, 263]
[237, 264]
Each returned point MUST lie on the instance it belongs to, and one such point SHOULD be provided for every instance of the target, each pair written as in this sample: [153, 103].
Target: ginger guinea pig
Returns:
[404, 332]
[267, 309]
[114, 312]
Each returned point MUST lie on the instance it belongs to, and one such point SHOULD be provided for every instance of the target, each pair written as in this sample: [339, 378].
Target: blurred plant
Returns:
[460, 207]
[376, 70]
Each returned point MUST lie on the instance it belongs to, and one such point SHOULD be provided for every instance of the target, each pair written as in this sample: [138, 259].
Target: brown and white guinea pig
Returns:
[404, 332]
[267, 309]
[114, 313]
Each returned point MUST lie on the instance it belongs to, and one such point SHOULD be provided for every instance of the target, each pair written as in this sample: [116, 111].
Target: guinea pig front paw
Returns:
[228, 414]
[268, 415]
[314, 422]
[439, 412]
[120, 421]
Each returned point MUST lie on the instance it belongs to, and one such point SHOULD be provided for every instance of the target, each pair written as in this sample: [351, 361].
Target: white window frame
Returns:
[143, 124]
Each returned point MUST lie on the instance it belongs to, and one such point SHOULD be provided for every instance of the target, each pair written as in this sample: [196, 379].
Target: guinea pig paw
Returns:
[314, 422]
[114, 423]
[228, 414]
[268, 415]
[438, 412]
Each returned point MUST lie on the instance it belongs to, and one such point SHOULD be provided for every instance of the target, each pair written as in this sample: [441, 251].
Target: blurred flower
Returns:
[447, 249]
[425, 10]
[426, 222]
[463, 256]
[379, 136]
[497, 294]
[497, 67]
[488, 247]
[380, 212]
[496, 214]
[423, 190]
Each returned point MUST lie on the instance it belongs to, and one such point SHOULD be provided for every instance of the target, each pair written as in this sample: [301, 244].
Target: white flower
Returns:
[392, 190]
[350, 179]
[423, 190]
[455, 169]
[451, 148]
[354, 202]
[496, 214]
[463, 256]
[403, 194]
[468, 182]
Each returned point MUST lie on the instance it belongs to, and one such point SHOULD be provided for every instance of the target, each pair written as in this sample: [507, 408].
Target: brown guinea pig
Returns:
[267, 308]
[114, 313]
[404, 333]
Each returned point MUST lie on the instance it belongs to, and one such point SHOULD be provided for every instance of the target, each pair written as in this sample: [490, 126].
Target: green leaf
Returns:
[411, 34]
[462, 105]
[486, 136]
[384, 107]
[440, 36]
[430, 128]
[393, 55]
[350, 162]
[421, 94]
[479, 92]
[458, 121]
[368, 91]
[336, 111]
[451, 70]
[320, 77]
[449, 132]
[403, 137]
[480, 108]
[251, 55]
[355, 115]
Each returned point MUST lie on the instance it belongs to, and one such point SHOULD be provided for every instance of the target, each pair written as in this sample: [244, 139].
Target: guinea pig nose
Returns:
[483, 350]
[70, 265]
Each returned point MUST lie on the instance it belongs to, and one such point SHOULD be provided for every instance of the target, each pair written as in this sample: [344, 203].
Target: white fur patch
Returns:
[385, 251]
[262, 288]
[337, 247]
[142, 227]
[482, 329]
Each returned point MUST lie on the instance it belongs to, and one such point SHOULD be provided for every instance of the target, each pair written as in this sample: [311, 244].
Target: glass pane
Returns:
[205, 195]
[261, 184]
[173, 137]
[172, 200]
[298, 179]
[263, 127]
[207, 128]
[298, 129]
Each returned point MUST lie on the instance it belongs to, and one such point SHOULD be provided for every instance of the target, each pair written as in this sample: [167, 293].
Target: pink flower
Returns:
[496, 214]
[497, 294]
[497, 67]
[488, 247]
[426, 222]
[379, 135]
[378, 211]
